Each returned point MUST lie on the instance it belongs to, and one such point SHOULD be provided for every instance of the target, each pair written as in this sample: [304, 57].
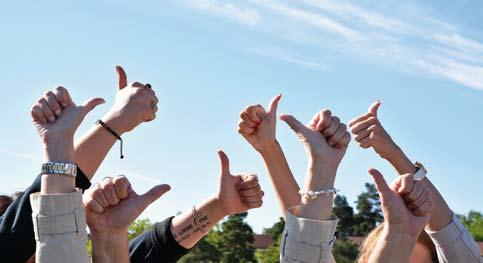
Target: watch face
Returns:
[420, 165]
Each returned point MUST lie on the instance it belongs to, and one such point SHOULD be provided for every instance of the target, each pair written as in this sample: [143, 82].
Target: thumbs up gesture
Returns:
[257, 126]
[237, 193]
[57, 117]
[325, 139]
[368, 132]
[112, 205]
[135, 103]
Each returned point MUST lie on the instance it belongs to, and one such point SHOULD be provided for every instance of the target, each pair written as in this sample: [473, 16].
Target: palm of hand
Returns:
[316, 144]
[264, 133]
[132, 106]
[67, 123]
[397, 214]
[228, 195]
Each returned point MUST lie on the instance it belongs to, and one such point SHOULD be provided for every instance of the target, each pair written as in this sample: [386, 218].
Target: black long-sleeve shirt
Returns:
[17, 240]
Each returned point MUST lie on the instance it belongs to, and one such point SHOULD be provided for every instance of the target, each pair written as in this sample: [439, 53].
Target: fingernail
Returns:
[58, 112]
[51, 119]
[64, 104]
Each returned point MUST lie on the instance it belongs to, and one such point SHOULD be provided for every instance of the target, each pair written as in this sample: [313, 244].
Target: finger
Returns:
[91, 104]
[98, 194]
[121, 185]
[93, 205]
[255, 112]
[415, 193]
[420, 200]
[364, 133]
[380, 182]
[332, 129]
[253, 199]
[225, 163]
[250, 192]
[244, 127]
[122, 78]
[110, 191]
[37, 114]
[249, 123]
[272, 108]
[360, 119]
[425, 209]
[247, 185]
[254, 205]
[54, 105]
[338, 135]
[136, 84]
[363, 125]
[48, 113]
[63, 96]
[154, 194]
[406, 184]
[374, 107]
[293, 123]
[344, 142]
[365, 143]
[325, 119]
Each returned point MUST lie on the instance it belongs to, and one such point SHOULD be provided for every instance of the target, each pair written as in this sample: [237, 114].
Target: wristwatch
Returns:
[421, 172]
[68, 169]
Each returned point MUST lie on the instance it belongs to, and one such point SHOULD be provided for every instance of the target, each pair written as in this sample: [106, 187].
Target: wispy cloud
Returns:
[394, 37]
[25, 156]
[243, 15]
[278, 54]
[130, 174]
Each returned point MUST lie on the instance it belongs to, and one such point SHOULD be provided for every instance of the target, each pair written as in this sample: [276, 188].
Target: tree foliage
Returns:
[474, 223]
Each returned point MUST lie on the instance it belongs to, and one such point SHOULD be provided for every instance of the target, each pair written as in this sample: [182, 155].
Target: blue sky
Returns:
[208, 59]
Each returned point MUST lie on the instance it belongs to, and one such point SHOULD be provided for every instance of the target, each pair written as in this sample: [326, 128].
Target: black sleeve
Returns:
[156, 245]
[17, 241]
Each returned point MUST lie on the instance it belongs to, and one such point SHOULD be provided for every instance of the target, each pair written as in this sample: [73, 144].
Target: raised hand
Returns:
[403, 213]
[326, 139]
[135, 103]
[237, 193]
[112, 205]
[369, 132]
[57, 117]
[258, 126]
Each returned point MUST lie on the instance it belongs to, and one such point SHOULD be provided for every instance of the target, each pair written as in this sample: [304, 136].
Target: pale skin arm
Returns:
[135, 103]
[369, 132]
[236, 194]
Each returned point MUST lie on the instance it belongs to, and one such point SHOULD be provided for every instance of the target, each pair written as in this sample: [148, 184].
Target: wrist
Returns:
[59, 150]
[320, 176]
[218, 211]
[115, 122]
[268, 147]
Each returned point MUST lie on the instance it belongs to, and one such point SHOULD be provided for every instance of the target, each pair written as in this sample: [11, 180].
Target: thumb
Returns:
[154, 194]
[272, 108]
[374, 107]
[380, 182]
[122, 78]
[91, 104]
[294, 124]
[225, 163]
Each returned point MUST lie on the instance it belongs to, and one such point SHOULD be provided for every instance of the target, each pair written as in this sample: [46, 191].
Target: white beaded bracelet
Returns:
[314, 194]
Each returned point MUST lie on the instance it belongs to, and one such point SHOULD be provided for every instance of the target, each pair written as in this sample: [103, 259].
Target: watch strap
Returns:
[68, 169]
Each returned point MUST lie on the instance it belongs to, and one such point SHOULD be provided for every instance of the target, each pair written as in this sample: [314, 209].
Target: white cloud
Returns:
[243, 15]
[277, 54]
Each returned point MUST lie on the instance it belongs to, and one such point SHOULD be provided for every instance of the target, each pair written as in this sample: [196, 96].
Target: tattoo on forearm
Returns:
[200, 223]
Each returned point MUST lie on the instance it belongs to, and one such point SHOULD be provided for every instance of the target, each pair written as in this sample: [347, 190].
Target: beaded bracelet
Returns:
[315, 194]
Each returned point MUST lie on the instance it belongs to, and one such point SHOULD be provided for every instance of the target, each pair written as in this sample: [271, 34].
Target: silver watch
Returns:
[421, 172]
[68, 169]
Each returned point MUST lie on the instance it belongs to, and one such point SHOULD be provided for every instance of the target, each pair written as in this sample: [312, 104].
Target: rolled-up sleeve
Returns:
[306, 240]
[59, 227]
[455, 244]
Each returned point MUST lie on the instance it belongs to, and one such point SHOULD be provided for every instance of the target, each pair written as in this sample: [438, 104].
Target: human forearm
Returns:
[110, 247]
[286, 188]
[319, 177]
[191, 226]
[92, 147]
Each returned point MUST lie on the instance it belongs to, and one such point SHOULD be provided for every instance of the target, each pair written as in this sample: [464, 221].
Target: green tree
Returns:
[205, 251]
[138, 227]
[235, 240]
[345, 251]
[369, 212]
[474, 223]
[345, 213]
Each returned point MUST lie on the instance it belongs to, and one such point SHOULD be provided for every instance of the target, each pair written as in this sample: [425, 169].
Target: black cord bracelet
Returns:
[100, 122]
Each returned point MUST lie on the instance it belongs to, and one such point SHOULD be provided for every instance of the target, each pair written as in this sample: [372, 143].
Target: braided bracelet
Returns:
[315, 194]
